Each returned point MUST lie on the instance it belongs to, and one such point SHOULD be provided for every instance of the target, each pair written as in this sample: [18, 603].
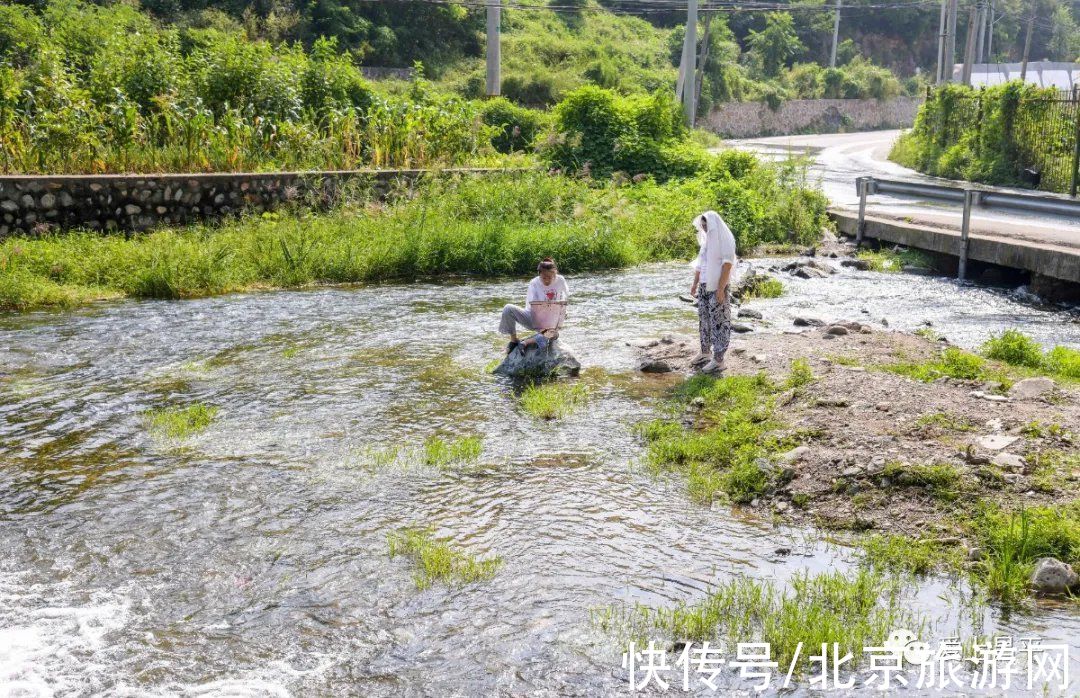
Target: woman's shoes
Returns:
[713, 366]
[700, 360]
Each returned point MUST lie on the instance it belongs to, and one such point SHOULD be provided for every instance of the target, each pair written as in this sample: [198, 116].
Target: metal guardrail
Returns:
[968, 197]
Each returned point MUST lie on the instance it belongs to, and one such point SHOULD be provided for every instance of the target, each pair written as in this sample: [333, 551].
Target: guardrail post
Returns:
[971, 198]
[863, 184]
[1076, 148]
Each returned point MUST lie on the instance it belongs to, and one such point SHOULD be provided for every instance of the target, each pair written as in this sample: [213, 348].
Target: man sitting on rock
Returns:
[546, 306]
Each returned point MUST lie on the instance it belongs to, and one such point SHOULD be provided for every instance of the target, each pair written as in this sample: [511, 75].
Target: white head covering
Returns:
[716, 239]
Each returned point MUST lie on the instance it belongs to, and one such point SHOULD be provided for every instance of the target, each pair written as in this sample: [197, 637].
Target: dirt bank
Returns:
[885, 451]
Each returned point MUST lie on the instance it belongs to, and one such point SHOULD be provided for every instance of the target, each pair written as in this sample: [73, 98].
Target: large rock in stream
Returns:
[531, 361]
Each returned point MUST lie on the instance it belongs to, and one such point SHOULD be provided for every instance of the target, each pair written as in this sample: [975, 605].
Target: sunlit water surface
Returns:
[251, 559]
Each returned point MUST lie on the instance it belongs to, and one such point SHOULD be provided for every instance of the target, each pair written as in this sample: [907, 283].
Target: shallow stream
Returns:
[251, 559]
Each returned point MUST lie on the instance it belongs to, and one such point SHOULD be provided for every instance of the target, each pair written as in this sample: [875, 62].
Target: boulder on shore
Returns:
[531, 361]
[1052, 576]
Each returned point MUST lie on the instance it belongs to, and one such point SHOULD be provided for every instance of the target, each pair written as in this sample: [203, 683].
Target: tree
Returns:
[775, 45]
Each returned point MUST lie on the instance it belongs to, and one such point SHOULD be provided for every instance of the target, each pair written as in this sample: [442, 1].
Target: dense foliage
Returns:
[89, 88]
[993, 135]
[494, 225]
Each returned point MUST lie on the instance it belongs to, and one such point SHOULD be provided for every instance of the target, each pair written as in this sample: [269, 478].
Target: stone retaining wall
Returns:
[756, 119]
[36, 204]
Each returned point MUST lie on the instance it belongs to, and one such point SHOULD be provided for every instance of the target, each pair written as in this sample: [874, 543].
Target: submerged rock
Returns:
[531, 361]
[1052, 576]
[654, 366]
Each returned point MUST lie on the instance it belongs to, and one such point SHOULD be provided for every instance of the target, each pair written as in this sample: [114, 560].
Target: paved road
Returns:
[837, 159]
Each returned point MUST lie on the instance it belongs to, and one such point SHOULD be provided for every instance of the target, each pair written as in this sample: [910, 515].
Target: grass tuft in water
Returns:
[855, 611]
[553, 400]
[763, 287]
[437, 561]
[731, 450]
[440, 453]
[892, 261]
[1013, 540]
[895, 553]
[180, 422]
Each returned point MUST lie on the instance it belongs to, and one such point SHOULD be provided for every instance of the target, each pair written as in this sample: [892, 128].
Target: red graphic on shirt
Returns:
[551, 295]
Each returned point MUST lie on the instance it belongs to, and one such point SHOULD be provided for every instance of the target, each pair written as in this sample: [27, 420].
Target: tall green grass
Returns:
[1016, 348]
[855, 611]
[438, 561]
[450, 225]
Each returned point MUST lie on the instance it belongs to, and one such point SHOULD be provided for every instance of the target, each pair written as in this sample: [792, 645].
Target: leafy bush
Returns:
[517, 126]
[1014, 347]
[600, 132]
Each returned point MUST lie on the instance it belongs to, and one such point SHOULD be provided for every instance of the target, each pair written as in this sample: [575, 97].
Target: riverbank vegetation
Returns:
[855, 610]
[932, 458]
[447, 225]
[437, 561]
[1014, 134]
[108, 87]
[1017, 349]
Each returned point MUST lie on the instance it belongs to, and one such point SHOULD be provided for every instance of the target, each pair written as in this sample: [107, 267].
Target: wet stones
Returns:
[654, 366]
[1032, 388]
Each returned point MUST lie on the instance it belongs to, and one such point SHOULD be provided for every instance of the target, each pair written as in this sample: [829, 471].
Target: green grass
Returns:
[903, 553]
[440, 453]
[553, 400]
[945, 421]
[731, 451]
[952, 363]
[855, 611]
[180, 422]
[764, 287]
[942, 480]
[800, 375]
[1013, 540]
[490, 226]
[891, 261]
[1018, 349]
[438, 561]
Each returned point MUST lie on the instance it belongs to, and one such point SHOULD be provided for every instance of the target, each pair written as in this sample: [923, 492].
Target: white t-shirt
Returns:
[557, 291]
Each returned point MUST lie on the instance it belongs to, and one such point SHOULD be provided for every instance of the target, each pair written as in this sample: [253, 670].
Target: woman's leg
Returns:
[705, 323]
[720, 315]
[512, 316]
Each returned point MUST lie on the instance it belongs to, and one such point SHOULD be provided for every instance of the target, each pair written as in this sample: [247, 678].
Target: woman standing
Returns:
[713, 272]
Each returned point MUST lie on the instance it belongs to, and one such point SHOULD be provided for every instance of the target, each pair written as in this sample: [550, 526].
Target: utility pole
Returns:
[835, 35]
[1027, 43]
[941, 41]
[990, 34]
[950, 40]
[703, 57]
[494, 21]
[690, 56]
[969, 46]
[980, 57]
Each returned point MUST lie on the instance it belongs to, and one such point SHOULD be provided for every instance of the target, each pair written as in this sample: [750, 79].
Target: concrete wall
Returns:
[755, 119]
[32, 204]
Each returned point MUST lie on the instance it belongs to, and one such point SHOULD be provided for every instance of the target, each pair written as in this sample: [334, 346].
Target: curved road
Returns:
[837, 159]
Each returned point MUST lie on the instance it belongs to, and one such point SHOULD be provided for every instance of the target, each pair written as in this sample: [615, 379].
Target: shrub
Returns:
[517, 126]
[1014, 347]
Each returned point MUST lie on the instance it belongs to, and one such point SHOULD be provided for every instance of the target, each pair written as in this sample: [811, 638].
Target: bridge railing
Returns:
[969, 197]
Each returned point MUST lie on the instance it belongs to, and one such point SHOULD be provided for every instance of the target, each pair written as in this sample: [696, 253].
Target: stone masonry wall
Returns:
[32, 204]
[756, 119]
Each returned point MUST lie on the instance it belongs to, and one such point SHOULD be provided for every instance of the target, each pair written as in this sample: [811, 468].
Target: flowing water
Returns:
[251, 558]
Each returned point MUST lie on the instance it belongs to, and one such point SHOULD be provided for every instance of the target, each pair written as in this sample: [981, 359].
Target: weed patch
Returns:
[437, 561]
